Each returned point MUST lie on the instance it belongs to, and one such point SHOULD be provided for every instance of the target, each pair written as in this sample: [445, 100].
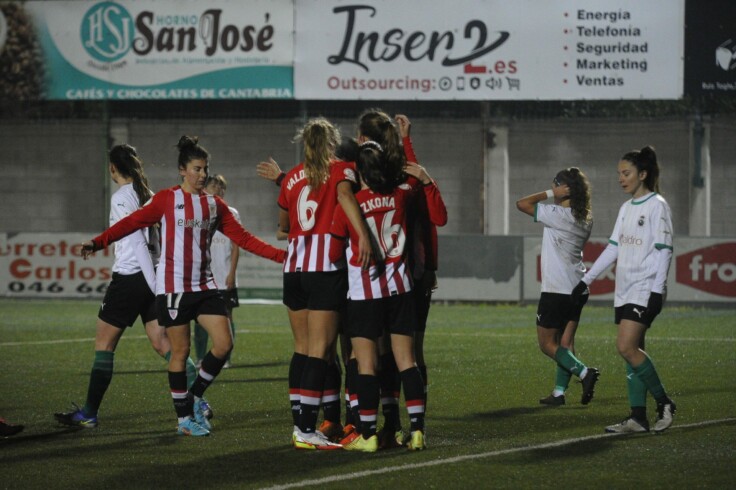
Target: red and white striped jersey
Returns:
[386, 219]
[310, 217]
[188, 222]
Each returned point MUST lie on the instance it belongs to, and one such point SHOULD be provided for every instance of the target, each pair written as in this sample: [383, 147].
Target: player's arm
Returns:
[284, 225]
[349, 204]
[339, 232]
[245, 240]
[528, 204]
[146, 216]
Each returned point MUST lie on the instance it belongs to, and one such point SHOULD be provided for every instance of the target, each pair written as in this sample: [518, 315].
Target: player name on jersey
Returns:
[380, 202]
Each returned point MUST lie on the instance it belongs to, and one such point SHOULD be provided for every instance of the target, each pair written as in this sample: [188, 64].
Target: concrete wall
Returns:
[55, 172]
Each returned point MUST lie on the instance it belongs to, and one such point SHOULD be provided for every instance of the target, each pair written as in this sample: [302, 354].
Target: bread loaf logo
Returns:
[107, 31]
[710, 269]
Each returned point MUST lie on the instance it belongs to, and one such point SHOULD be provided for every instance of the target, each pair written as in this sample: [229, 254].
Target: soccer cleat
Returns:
[347, 430]
[76, 418]
[199, 413]
[589, 381]
[7, 430]
[390, 439]
[227, 365]
[333, 431]
[207, 409]
[665, 415]
[417, 442]
[190, 427]
[629, 425]
[356, 442]
[313, 440]
[553, 401]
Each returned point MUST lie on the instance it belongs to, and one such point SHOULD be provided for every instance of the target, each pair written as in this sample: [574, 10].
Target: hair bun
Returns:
[187, 141]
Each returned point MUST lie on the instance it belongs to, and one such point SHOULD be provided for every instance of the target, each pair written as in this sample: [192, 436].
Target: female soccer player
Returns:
[185, 287]
[315, 288]
[567, 225]
[641, 246]
[395, 140]
[380, 302]
[224, 264]
[131, 291]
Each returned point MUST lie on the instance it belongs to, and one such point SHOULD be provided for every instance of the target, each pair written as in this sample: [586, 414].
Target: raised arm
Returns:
[528, 204]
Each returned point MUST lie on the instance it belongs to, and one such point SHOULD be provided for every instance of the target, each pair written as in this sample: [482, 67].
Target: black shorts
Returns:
[556, 310]
[635, 313]
[128, 297]
[422, 300]
[181, 308]
[316, 290]
[231, 298]
[371, 318]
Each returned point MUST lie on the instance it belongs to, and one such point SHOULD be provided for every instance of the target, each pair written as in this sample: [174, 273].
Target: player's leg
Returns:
[413, 385]
[298, 322]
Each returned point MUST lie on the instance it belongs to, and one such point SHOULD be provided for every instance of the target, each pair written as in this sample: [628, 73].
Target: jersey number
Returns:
[306, 209]
[391, 238]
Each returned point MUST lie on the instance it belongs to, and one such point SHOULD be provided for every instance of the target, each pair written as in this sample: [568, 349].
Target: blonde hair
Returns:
[320, 138]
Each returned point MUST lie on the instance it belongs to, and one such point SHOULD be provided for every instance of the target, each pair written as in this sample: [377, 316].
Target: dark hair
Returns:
[348, 150]
[645, 160]
[320, 138]
[127, 163]
[189, 149]
[218, 180]
[579, 186]
[371, 165]
[376, 125]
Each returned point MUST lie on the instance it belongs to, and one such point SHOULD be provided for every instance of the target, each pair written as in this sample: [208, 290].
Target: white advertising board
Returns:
[489, 49]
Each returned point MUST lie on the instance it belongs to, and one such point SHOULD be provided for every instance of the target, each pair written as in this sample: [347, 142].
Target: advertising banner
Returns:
[162, 49]
[710, 47]
[489, 49]
[702, 270]
[49, 265]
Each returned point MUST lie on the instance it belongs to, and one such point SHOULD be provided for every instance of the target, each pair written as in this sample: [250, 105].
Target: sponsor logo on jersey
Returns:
[193, 223]
[709, 269]
[630, 240]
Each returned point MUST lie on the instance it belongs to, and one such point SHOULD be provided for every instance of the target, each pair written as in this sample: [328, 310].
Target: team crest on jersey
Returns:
[173, 313]
[350, 174]
[641, 220]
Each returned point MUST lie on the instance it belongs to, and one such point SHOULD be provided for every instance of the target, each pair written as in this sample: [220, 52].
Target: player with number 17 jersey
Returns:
[310, 217]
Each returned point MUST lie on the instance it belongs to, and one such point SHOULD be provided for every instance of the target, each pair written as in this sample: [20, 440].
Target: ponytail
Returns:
[579, 186]
[126, 161]
[189, 149]
[377, 126]
[320, 140]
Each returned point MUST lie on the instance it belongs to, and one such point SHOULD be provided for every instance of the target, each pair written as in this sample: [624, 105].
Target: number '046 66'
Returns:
[53, 287]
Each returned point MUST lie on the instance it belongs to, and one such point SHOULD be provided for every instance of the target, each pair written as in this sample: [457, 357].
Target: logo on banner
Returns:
[106, 32]
[726, 55]
[709, 269]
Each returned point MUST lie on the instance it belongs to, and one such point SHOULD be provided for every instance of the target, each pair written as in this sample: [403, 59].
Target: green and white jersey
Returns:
[643, 226]
[563, 240]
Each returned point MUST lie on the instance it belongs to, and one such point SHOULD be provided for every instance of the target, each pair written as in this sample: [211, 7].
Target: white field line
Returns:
[484, 333]
[469, 457]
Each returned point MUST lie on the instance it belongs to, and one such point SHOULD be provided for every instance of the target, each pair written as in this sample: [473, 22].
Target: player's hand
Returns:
[561, 191]
[404, 125]
[419, 172]
[269, 170]
[88, 248]
[654, 305]
[230, 281]
[578, 292]
[365, 252]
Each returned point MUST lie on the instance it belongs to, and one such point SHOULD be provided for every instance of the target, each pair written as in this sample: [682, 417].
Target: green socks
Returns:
[648, 375]
[562, 380]
[568, 361]
[99, 380]
[637, 390]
